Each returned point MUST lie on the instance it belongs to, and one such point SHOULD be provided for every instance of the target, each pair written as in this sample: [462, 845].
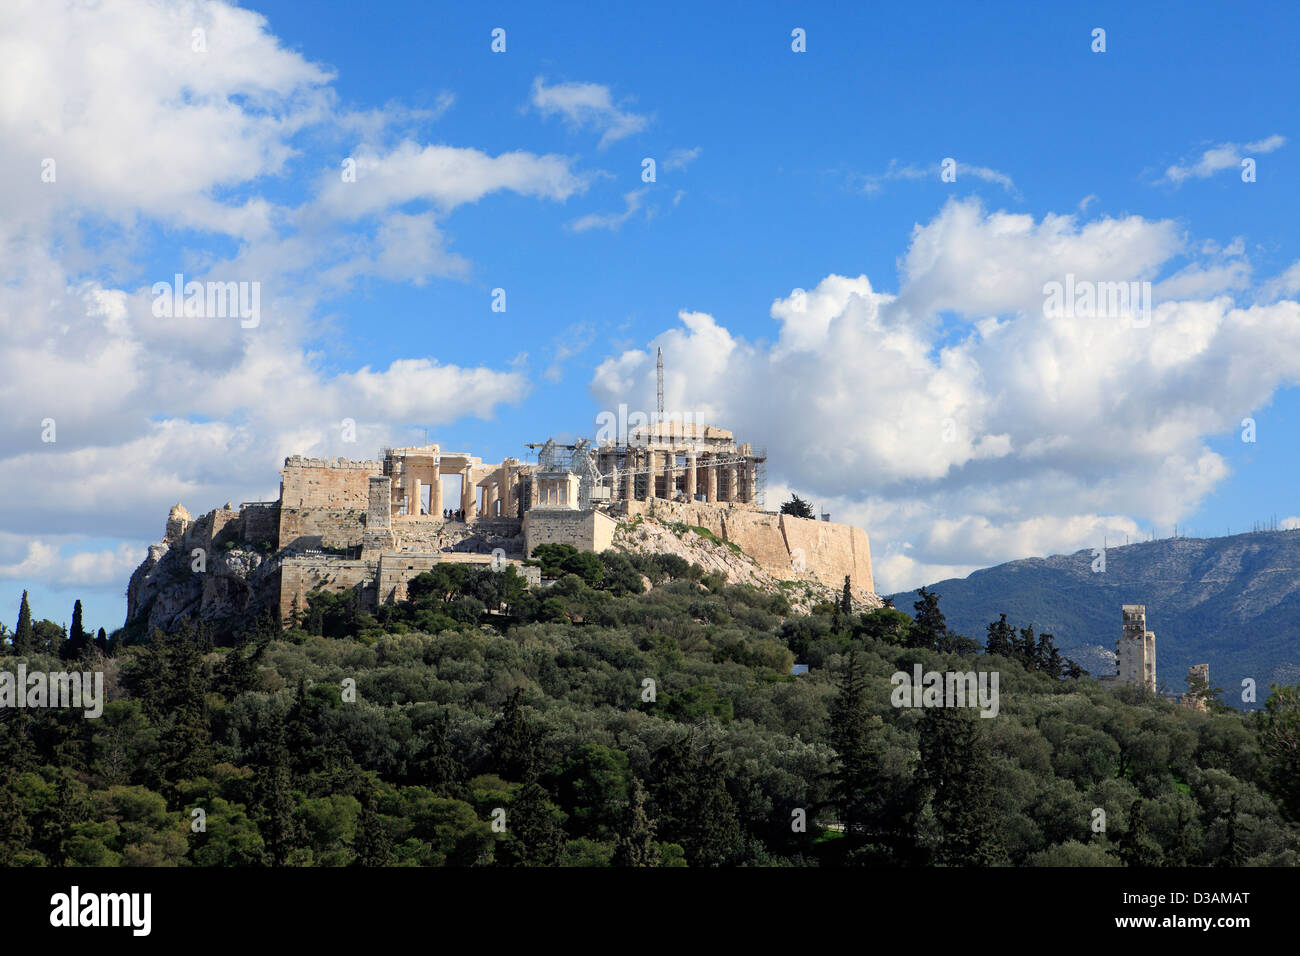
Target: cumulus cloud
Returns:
[1221, 157]
[169, 155]
[587, 106]
[961, 424]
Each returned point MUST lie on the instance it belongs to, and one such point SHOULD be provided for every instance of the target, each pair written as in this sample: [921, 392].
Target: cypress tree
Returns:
[635, 845]
[24, 638]
[957, 770]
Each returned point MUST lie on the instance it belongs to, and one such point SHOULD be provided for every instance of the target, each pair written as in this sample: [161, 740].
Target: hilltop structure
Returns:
[371, 526]
[1135, 652]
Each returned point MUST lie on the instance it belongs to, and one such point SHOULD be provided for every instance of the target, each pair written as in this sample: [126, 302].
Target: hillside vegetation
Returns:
[592, 722]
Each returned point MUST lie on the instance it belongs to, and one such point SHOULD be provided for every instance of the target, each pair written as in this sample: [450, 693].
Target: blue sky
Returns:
[776, 171]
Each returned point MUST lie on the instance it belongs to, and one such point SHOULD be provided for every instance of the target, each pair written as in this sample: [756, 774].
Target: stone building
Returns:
[1135, 652]
[370, 526]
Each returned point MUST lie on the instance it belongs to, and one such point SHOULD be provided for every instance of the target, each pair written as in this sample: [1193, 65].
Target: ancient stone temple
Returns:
[370, 526]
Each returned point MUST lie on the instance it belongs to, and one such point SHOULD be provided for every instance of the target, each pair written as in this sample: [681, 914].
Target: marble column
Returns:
[711, 482]
[691, 466]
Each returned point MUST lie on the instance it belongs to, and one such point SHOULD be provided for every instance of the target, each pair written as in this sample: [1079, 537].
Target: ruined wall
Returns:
[300, 575]
[584, 530]
[397, 570]
[261, 522]
[323, 502]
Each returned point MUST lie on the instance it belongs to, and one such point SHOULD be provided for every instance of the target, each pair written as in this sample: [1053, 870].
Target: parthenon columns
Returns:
[490, 501]
[730, 478]
[435, 492]
[670, 466]
[711, 476]
[468, 498]
[413, 496]
[691, 476]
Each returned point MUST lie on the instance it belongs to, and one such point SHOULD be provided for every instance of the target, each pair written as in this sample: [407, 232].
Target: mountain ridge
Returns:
[1232, 602]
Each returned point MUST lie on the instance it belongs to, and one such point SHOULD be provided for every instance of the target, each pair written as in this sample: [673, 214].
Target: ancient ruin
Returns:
[1135, 652]
[371, 526]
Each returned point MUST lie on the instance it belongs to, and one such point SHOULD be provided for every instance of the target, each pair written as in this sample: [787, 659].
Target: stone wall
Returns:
[781, 544]
[261, 522]
[302, 574]
[323, 502]
[584, 530]
[397, 570]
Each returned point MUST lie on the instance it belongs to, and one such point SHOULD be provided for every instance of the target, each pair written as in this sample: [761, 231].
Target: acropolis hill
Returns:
[369, 527]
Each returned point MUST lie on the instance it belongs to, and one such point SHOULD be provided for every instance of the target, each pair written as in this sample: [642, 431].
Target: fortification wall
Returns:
[397, 570]
[584, 530]
[784, 546]
[830, 551]
[323, 502]
[261, 522]
[302, 574]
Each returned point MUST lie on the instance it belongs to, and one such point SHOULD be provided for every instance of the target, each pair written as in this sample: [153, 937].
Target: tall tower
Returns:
[1136, 650]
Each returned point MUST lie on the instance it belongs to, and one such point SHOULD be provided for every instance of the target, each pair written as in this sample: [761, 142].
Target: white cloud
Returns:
[680, 159]
[960, 425]
[150, 139]
[586, 105]
[612, 221]
[1221, 157]
[873, 183]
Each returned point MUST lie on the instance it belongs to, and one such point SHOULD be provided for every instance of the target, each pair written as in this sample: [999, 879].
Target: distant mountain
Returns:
[1231, 602]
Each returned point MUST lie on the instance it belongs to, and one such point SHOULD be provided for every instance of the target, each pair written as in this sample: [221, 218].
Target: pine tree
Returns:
[957, 771]
[693, 806]
[15, 833]
[513, 741]
[373, 846]
[275, 796]
[854, 773]
[101, 641]
[1027, 648]
[24, 636]
[1001, 639]
[929, 628]
[534, 836]
[635, 844]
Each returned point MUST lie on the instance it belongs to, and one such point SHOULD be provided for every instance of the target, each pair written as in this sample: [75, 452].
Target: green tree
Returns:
[78, 639]
[513, 741]
[693, 806]
[1001, 639]
[24, 637]
[534, 834]
[373, 845]
[635, 845]
[956, 769]
[796, 507]
[1279, 742]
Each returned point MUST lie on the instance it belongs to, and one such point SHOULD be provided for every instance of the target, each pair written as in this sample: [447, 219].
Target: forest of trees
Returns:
[598, 722]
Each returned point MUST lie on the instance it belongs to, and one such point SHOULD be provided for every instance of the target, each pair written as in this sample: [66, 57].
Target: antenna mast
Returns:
[659, 372]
